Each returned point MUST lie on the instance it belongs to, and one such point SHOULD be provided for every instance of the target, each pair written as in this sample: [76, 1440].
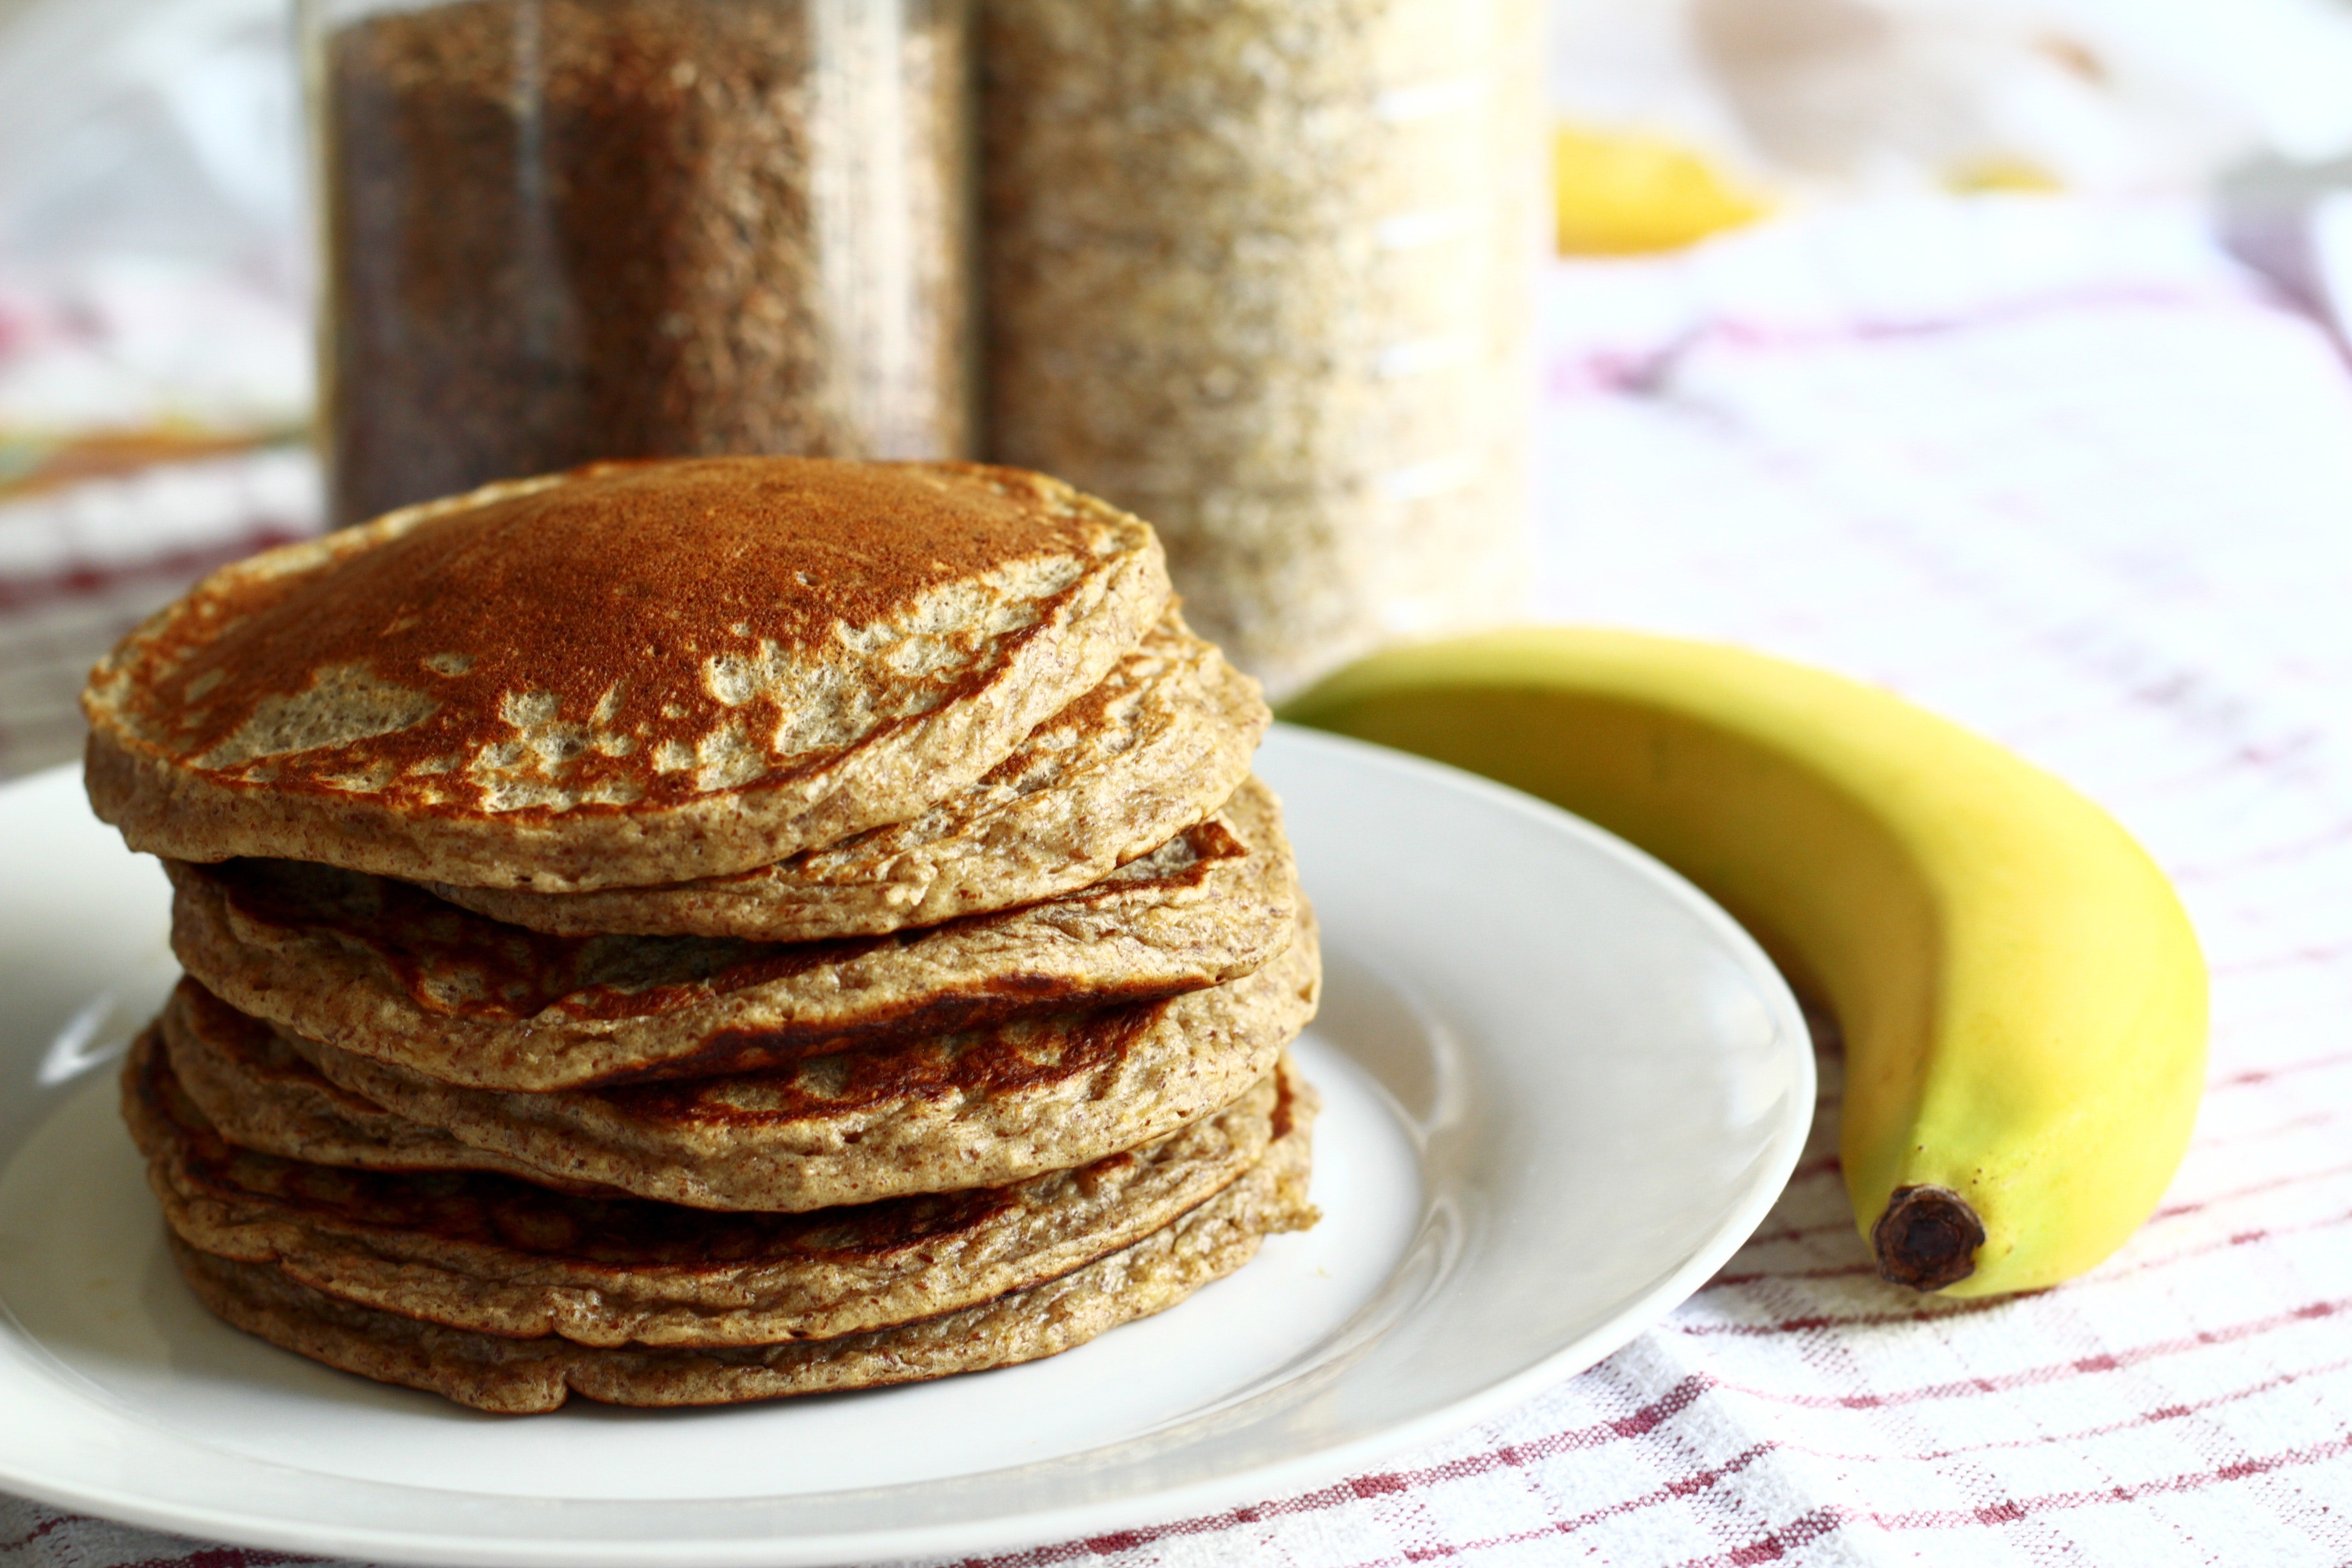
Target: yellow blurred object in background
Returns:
[2003, 174]
[1619, 192]
[30, 464]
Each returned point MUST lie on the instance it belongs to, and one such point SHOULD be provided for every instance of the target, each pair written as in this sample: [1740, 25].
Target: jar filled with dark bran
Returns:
[562, 230]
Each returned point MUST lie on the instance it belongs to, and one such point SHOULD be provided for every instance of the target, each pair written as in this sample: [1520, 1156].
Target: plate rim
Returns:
[1783, 1147]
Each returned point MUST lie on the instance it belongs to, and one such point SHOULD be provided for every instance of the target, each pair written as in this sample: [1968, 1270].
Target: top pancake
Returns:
[630, 674]
[1156, 747]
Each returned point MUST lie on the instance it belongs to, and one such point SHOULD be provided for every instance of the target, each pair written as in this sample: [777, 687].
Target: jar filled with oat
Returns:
[561, 230]
[1263, 271]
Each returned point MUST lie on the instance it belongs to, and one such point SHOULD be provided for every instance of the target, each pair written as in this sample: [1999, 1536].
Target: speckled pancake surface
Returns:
[499, 1256]
[1157, 745]
[385, 970]
[524, 1376]
[630, 674]
[976, 1108]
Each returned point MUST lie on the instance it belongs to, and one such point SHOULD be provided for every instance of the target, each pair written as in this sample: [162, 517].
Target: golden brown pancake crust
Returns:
[630, 674]
[499, 1256]
[519, 1376]
[385, 970]
[975, 1109]
[1161, 744]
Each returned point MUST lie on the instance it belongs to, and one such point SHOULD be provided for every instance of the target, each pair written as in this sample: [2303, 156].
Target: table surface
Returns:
[2053, 468]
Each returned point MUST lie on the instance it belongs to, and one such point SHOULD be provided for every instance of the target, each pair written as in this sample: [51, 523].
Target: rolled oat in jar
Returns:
[1263, 272]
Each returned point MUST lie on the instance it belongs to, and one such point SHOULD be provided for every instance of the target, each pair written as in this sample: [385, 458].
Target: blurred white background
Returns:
[153, 251]
[152, 241]
[1837, 98]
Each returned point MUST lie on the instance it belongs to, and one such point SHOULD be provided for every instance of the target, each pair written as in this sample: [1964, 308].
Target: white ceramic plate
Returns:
[1561, 1089]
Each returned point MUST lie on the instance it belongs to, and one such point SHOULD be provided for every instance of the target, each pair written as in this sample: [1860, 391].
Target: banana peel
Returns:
[2021, 996]
[1621, 193]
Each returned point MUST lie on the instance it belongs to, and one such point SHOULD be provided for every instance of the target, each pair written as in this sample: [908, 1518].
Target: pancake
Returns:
[979, 1107]
[384, 970]
[630, 674]
[498, 1255]
[517, 1375]
[1157, 746]
[262, 1094]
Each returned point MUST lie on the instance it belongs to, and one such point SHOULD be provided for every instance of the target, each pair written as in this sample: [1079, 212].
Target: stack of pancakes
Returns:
[697, 931]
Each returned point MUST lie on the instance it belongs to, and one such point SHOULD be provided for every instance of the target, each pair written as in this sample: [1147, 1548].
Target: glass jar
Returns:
[562, 230]
[1263, 271]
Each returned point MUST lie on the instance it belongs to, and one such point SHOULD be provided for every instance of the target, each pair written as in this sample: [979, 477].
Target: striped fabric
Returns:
[2096, 507]
[82, 564]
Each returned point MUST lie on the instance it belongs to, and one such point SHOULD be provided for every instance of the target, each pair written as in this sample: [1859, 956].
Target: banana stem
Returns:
[1927, 1238]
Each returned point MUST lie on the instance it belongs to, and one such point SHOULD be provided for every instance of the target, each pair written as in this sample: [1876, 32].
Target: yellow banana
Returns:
[2021, 994]
[1620, 192]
